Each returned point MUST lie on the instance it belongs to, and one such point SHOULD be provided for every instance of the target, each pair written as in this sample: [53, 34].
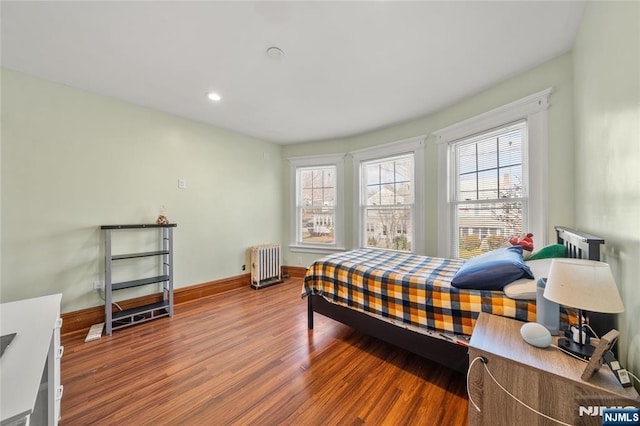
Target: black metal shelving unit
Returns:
[138, 314]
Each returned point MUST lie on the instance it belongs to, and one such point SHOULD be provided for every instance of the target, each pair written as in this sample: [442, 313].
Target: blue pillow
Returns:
[492, 270]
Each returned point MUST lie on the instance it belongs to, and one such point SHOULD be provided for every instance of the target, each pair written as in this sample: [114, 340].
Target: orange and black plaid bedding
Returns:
[411, 289]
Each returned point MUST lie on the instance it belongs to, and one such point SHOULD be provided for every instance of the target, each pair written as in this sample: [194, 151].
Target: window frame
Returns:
[415, 146]
[455, 150]
[532, 109]
[296, 164]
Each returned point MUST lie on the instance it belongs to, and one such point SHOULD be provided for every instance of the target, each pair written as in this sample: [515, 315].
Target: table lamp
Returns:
[586, 285]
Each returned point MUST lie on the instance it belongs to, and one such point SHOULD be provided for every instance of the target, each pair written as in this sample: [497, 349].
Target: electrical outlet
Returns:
[299, 260]
[244, 267]
[98, 285]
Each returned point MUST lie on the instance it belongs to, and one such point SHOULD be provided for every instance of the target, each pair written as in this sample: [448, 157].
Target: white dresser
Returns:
[30, 367]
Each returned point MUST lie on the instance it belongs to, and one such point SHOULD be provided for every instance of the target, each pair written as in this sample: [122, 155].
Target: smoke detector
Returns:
[275, 53]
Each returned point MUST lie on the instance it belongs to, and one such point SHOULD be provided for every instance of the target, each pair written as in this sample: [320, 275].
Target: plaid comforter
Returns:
[414, 290]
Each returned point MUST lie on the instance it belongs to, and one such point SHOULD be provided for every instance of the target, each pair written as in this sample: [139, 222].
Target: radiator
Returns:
[265, 265]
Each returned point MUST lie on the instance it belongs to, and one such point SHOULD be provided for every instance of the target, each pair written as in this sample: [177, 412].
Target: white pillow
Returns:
[524, 288]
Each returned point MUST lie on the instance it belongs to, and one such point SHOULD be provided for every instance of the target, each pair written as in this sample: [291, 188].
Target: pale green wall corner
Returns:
[607, 131]
[557, 73]
[72, 161]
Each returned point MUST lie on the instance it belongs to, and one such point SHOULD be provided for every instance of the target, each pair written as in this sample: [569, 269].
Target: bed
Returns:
[380, 293]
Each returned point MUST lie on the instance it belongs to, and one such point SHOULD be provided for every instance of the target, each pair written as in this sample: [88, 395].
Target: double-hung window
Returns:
[316, 184]
[492, 182]
[389, 187]
[489, 197]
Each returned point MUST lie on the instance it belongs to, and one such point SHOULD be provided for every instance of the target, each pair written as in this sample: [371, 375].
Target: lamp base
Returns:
[581, 351]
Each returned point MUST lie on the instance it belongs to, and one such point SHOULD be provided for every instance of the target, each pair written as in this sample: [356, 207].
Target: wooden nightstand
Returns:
[545, 379]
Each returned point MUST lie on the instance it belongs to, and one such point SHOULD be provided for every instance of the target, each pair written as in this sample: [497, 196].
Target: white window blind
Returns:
[494, 179]
[489, 197]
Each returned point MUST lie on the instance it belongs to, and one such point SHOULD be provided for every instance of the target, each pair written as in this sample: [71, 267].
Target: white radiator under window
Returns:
[265, 265]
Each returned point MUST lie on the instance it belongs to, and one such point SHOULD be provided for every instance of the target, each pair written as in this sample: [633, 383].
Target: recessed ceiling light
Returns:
[275, 53]
[214, 96]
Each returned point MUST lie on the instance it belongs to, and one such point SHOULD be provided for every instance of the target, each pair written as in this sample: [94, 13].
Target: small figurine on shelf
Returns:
[162, 217]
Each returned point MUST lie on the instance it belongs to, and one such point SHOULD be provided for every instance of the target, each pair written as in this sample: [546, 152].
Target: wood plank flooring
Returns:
[246, 357]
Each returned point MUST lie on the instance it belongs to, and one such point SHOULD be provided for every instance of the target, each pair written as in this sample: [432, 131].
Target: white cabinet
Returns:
[30, 382]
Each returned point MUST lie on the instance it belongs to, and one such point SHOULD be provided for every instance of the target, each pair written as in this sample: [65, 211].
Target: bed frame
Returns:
[452, 355]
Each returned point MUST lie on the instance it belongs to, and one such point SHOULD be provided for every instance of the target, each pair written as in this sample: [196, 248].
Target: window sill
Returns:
[295, 248]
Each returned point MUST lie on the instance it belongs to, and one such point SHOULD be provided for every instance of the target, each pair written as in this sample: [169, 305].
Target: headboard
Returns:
[579, 245]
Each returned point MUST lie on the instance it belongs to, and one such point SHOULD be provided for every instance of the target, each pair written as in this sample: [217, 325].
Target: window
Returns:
[389, 202]
[389, 185]
[490, 192]
[486, 194]
[317, 203]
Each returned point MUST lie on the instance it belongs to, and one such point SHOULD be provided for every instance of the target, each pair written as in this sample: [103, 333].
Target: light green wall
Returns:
[72, 161]
[556, 73]
[607, 131]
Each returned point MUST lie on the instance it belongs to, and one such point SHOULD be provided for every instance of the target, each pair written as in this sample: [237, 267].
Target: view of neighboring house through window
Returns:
[489, 198]
[316, 204]
[387, 199]
[389, 202]
[495, 183]
[317, 208]
[387, 185]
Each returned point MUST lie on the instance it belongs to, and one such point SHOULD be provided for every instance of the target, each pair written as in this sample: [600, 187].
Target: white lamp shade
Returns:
[583, 284]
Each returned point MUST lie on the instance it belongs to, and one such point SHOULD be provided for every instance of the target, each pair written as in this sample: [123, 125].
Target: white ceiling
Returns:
[348, 67]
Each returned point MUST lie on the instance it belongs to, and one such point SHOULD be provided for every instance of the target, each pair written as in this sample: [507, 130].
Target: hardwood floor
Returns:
[246, 357]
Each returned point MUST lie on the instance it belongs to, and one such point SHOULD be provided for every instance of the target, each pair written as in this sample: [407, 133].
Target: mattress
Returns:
[408, 289]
